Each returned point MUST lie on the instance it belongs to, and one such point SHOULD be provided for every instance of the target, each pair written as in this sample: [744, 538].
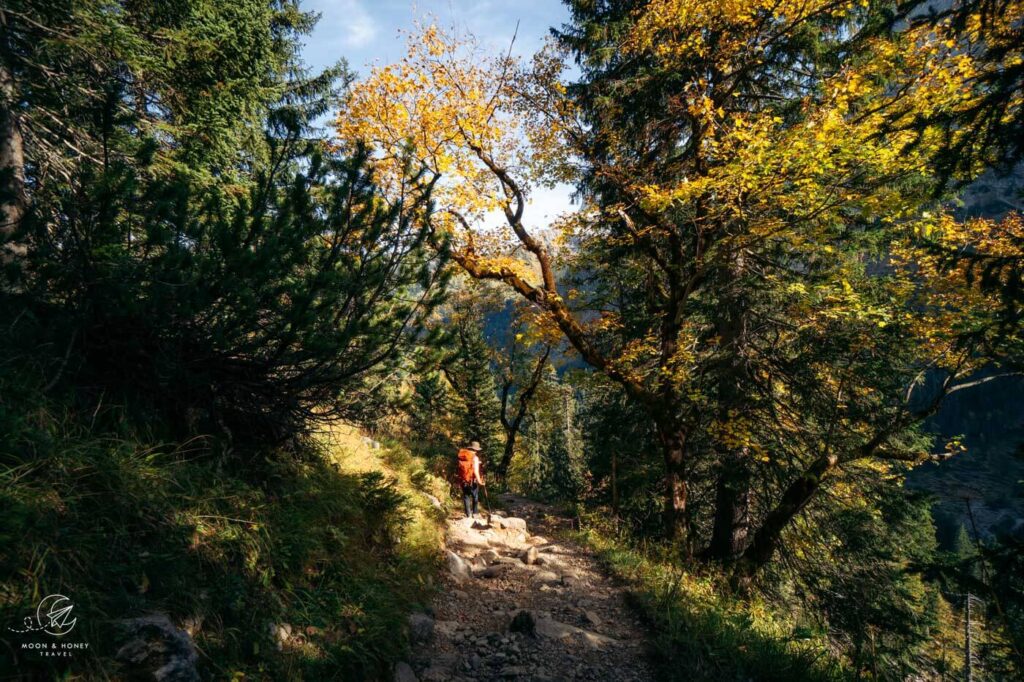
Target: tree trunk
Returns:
[13, 199]
[615, 485]
[506, 455]
[732, 510]
[673, 444]
[732, 493]
[769, 535]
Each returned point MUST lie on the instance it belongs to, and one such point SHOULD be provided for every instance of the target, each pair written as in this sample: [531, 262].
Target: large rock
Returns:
[510, 523]
[553, 629]
[404, 673]
[458, 567]
[468, 536]
[546, 577]
[154, 649]
[495, 571]
[421, 628]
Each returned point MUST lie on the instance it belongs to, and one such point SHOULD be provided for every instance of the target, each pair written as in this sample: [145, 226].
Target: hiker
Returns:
[469, 477]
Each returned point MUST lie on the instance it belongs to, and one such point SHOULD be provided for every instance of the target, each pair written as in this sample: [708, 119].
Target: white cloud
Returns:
[345, 24]
[357, 25]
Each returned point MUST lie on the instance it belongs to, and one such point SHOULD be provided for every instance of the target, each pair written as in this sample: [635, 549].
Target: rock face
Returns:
[154, 649]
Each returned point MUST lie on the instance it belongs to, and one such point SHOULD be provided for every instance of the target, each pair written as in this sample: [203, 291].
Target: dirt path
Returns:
[520, 603]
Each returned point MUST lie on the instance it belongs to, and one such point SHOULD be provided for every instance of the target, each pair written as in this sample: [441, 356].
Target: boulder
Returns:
[495, 571]
[546, 577]
[421, 628]
[458, 567]
[154, 649]
[404, 673]
[553, 629]
[510, 523]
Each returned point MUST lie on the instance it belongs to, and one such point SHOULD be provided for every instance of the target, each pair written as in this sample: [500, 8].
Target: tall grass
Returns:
[125, 526]
[701, 632]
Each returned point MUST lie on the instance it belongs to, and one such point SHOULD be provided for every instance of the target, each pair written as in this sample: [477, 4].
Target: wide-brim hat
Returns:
[475, 445]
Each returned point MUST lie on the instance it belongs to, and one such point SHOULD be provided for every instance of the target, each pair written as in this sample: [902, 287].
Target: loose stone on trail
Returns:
[518, 606]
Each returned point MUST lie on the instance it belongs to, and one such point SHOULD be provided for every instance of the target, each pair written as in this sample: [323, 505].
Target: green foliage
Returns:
[700, 632]
[124, 524]
[469, 372]
[186, 84]
[868, 589]
[615, 430]
[200, 258]
[203, 285]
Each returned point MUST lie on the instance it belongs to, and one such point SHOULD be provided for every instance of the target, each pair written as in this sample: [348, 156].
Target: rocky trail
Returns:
[520, 602]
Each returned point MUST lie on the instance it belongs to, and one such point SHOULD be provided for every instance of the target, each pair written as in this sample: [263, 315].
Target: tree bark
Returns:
[769, 535]
[732, 492]
[506, 455]
[13, 198]
[673, 443]
[512, 426]
[732, 510]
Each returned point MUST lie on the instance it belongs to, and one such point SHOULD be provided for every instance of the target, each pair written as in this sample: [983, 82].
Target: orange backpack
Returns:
[466, 466]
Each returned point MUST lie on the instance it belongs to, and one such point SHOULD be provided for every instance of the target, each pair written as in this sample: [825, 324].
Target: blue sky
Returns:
[365, 31]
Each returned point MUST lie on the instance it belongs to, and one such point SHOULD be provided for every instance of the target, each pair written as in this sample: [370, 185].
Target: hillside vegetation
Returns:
[331, 546]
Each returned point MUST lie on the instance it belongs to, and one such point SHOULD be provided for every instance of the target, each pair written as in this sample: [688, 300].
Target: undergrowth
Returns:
[334, 540]
[700, 632]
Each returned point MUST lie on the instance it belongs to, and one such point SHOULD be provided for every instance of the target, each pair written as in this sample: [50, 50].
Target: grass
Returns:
[700, 632]
[336, 541]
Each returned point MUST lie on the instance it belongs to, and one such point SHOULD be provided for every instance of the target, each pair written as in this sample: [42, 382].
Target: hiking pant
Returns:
[471, 492]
